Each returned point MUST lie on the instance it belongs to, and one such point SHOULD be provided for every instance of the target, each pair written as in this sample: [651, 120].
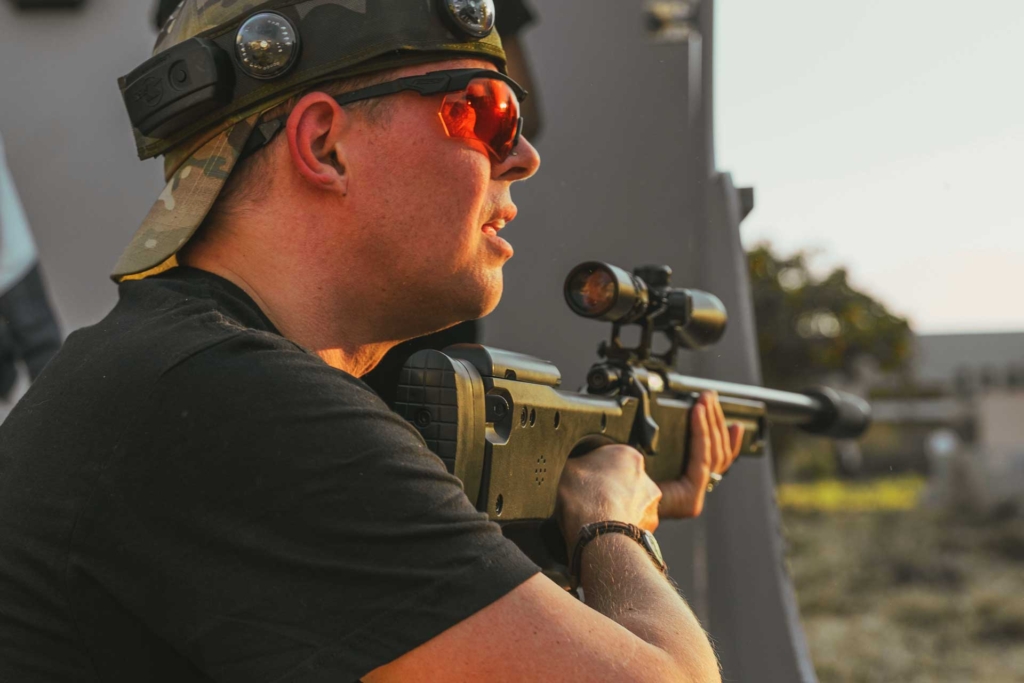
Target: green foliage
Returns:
[811, 327]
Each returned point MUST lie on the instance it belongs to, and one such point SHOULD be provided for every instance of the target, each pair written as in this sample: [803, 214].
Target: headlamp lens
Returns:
[266, 45]
[475, 18]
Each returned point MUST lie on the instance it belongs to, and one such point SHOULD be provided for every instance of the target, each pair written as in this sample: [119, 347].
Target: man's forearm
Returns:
[621, 582]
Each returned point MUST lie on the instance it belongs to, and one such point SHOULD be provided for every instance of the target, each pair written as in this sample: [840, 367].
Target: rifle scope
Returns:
[601, 291]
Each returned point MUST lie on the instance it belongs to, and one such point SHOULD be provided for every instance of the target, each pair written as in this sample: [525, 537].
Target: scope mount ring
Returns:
[643, 353]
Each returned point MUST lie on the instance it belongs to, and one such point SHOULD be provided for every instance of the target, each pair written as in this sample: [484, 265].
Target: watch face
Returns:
[650, 543]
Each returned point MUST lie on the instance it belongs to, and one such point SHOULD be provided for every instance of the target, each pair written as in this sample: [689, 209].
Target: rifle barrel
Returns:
[820, 410]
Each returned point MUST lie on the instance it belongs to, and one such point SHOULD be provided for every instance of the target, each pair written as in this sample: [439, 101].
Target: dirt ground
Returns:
[910, 596]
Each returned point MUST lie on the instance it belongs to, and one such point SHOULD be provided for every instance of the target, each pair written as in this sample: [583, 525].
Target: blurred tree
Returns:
[811, 330]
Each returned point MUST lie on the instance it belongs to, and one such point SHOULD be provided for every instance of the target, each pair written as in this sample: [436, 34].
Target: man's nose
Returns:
[520, 165]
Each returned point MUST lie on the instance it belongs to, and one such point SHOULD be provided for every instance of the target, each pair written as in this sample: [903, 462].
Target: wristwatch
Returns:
[591, 531]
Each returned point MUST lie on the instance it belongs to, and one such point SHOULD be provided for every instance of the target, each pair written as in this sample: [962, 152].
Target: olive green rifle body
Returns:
[502, 426]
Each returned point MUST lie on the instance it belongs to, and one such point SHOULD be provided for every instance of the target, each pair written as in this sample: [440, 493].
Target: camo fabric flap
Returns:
[198, 17]
[185, 201]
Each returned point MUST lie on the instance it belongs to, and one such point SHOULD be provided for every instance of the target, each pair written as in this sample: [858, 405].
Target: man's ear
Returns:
[315, 129]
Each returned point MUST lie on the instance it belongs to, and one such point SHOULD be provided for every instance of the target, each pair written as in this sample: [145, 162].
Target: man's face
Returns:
[431, 207]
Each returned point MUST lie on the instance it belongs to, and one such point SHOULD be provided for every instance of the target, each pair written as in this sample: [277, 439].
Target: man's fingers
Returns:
[716, 424]
[736, 436]
[684, 497]
[713, 447]
[727, 444]
[700, 456]
[698, 472]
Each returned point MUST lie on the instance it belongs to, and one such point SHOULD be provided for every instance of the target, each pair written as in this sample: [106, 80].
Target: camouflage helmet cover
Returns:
[340, 39]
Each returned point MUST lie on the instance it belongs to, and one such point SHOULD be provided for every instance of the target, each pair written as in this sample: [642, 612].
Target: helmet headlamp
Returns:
[266, 45]
[474, 18]
[177, 86]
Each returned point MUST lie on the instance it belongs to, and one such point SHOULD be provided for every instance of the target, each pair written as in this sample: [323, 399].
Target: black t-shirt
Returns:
[186, 495]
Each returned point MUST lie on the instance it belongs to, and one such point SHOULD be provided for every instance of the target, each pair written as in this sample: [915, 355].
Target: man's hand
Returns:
[713, 448]
[607, 484]
[610, 483]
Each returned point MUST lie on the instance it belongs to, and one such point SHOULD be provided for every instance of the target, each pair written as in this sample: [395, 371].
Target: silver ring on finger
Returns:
[715, 480]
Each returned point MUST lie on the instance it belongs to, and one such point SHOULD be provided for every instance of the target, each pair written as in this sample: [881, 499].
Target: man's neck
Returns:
[300, 320]
[356, 364]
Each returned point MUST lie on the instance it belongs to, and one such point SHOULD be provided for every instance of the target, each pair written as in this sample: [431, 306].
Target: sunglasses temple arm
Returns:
[427, 84]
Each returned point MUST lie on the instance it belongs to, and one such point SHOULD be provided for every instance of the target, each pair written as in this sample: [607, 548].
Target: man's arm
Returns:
[634, 625]
[539, 632]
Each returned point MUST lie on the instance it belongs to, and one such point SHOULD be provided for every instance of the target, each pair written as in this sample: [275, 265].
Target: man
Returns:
[511, 17]
[199, 488]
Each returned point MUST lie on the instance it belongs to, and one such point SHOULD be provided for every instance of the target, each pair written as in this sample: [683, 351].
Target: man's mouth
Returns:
[493, 227]
[500, 220]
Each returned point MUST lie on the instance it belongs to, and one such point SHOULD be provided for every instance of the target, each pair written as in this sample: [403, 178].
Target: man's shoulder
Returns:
[171, 318]
[191, 335]
[209, 340]
[246, 367]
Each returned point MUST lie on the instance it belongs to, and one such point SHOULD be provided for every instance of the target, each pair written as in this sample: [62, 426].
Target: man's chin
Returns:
[433, 318]
[492, 297]
[480, 310]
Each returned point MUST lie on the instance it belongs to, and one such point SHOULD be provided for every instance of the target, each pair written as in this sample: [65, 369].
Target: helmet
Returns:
[218, 65]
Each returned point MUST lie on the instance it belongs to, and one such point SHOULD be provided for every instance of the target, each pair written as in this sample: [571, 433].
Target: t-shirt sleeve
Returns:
[286, 525]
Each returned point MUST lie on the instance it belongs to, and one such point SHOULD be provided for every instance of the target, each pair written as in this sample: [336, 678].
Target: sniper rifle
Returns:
[501, 425]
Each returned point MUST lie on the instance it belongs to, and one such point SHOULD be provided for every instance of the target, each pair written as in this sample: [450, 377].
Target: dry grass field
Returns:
[890, 591]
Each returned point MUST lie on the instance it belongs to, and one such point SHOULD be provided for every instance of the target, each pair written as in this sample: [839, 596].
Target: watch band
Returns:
[591, 531]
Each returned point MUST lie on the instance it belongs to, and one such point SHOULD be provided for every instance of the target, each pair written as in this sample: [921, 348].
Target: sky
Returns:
[888, 137]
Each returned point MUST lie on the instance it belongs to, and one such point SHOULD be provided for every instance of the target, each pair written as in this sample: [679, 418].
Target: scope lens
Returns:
[592, 290]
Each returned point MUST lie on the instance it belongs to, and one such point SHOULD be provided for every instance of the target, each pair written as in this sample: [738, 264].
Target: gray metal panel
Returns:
[611, 187]
[610, 184]
[753, 616]
[628, 177]
[753, 613]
